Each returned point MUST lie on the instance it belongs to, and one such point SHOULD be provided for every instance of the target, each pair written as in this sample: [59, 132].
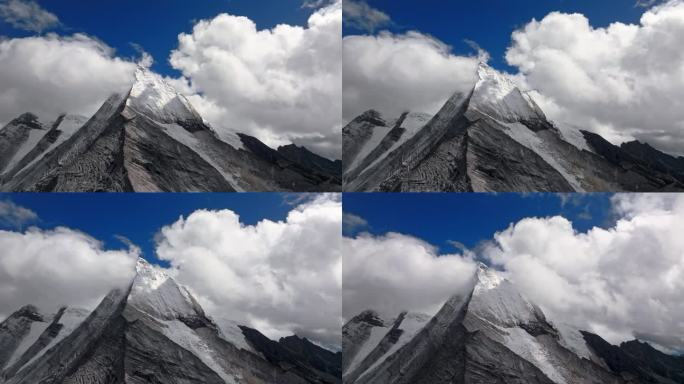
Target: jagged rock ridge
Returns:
[152, 331]
[492, 334]
[150, 139]
[495, 138]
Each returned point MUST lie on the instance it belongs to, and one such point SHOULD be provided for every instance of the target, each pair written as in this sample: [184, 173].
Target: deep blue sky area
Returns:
[490, 23]
[469, 218]
[155, 25]
[140, 216]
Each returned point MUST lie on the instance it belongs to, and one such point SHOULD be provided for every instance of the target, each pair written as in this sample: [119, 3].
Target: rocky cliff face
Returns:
[150, 139]
[495, 138]
[153, 331]
[492, 334]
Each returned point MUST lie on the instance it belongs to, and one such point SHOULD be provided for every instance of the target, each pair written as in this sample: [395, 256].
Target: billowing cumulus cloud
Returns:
[50, 75]
[27, 15]
[624, 81]
[280, 277]
[396, 272]
[50, 268]
[621, 282]
[281, 85]
[393, 73]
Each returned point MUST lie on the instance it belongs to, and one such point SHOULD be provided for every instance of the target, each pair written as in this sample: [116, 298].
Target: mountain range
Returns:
[151, 139]
[153, 331]
[495, 138]
[493, 334]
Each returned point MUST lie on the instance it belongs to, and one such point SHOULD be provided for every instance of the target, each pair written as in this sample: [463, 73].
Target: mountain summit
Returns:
[495, 138]
[149, 139]
[152, 331]
[492, 334]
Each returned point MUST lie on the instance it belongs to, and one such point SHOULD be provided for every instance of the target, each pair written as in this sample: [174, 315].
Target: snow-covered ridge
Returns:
[412, 123]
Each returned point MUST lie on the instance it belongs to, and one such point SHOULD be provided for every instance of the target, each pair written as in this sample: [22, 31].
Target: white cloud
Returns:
[623, 81]
[397, 72]
[360, 15]
[281, 85]
[396, 272]
[352, 222]
[14, 215]
[621, 282]
[27, 15]
[50, 268]
[280, 277]
[50, 75]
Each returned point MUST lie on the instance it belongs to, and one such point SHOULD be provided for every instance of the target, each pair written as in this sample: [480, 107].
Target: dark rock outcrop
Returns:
[294, 360]
[638, 362]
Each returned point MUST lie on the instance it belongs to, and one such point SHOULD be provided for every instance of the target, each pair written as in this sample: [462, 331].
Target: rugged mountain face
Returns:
[150, 139]
[495, 138]
[493, 334]
[153, 331]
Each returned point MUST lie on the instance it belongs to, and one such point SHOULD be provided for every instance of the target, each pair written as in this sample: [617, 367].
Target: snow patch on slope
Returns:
[180, 334]
[34, 137]
[70, 320]
[573, 136]
[529, 348]
[231, 332]
[379, 132]
[413, 123]
[183, 136]
[573, 340]
[37, 328]
[69, 125]
[411, 325]
[376, 335]
[527, 138]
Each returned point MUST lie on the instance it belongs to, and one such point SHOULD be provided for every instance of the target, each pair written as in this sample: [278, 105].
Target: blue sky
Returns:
[489, 23]
[469, 218]
[139, 216]
[120, 23]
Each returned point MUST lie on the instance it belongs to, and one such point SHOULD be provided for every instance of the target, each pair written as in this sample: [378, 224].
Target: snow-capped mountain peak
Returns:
[488, 278]
[148, 275]
[156, 293]
[153, 96]
[497, 95]
[494, 81]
